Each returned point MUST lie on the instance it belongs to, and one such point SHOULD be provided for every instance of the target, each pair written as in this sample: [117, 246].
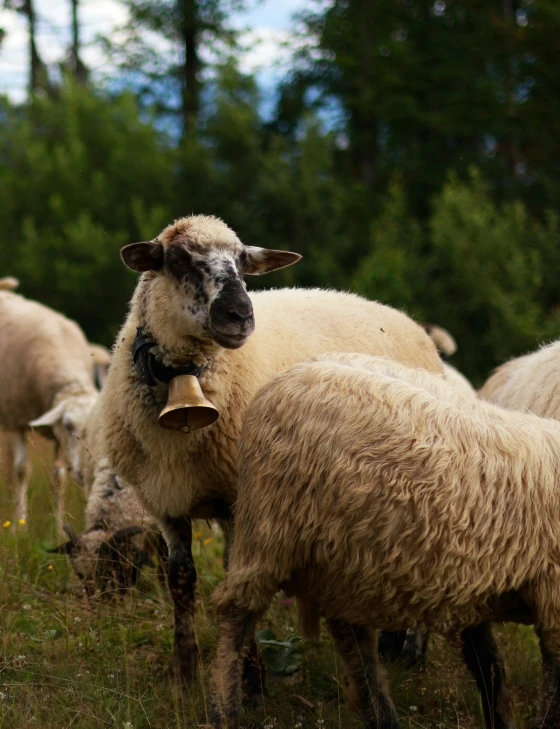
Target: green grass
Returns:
[69, 662]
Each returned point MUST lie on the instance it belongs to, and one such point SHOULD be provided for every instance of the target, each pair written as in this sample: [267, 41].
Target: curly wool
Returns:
[397, 501]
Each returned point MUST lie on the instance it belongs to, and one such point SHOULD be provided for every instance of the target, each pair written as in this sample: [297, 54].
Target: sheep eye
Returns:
[69, 426]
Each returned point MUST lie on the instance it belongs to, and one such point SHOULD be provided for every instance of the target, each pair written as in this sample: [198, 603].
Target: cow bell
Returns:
[186, 408]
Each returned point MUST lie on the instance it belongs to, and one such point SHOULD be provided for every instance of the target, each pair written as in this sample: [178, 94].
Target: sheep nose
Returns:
[240, 316]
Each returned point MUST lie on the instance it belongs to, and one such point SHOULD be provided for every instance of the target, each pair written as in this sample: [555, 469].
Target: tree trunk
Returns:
[188, 13]
[37, 69]
[78, 68]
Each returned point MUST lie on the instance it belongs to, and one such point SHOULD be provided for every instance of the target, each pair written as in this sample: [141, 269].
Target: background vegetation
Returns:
[412, 156]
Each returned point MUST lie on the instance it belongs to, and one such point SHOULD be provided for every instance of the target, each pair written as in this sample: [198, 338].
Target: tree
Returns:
[162, 52]
[424, 87]
[81, 176]
[38, 74]
[77, 66]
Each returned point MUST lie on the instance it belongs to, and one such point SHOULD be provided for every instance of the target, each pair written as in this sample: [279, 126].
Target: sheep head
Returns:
[66, 422]
[194, 274]
[106, 564]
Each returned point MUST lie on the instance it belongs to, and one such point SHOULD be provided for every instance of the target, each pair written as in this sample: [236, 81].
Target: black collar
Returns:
[150, 368]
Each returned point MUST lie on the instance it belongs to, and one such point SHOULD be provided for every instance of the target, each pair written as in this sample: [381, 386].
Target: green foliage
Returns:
[486, 274]
[394, 269]
[81, 176]
[280, 656]
[426, 86]
[484, 271]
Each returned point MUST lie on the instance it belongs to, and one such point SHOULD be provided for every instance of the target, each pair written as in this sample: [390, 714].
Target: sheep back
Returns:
[41, 352]
[177, 474]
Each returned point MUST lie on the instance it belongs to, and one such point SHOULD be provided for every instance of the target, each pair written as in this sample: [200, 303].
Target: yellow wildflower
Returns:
[22, 522]
[6, 523]
[196, 535]
[207, 541]
[50, 567]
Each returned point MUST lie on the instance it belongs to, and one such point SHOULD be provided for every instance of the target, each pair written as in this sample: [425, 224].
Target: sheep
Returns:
[397, 501]
[458, 380]
[118, 534]
[529, 382]
[191, 302]
[100, 355]
[46, 383]
[101, 359]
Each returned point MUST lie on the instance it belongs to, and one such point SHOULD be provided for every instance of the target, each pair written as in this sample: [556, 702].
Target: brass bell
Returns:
[186, 408]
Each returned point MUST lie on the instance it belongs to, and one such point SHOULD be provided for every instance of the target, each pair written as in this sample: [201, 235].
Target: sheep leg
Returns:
[20, 471]
[358, 647]
[59, 481]
[182, 583]
[483, 659]
[550, 652]
[254, 671]
[235, 625]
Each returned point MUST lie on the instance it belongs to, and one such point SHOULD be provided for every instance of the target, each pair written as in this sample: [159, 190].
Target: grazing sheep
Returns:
[45, 382]
[529, 382]
[380, 497]
[118, 532]
[192, 303]
[101, 359]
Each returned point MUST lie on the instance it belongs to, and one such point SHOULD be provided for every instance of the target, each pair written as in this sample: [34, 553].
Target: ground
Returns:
[69, 662]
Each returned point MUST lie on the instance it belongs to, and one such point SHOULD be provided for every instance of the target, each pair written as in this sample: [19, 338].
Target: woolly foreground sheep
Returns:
[380, 497]
[118, 535]
[191, 309]
[46, 382]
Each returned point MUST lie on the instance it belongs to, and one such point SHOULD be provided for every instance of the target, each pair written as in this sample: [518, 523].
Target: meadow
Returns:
[72, 662]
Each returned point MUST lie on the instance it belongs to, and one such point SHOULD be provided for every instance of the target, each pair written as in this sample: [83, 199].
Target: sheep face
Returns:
[105, 564]
[66, 422]
[197, 267]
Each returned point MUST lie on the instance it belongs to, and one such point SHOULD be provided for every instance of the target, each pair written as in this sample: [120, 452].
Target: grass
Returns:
[69, 662]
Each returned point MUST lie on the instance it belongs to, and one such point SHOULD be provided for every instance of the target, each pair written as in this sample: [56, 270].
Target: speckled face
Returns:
[197, 266]
[213, 289]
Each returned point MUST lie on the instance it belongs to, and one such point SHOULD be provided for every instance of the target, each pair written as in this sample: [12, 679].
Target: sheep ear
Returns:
[48, 419]
[146, 256]
[265, 260]
[72, 545]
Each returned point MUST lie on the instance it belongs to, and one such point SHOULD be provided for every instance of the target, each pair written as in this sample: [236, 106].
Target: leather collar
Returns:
[150, 369]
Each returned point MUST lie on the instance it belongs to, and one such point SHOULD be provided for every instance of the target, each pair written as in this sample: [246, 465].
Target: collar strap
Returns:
[150, 369]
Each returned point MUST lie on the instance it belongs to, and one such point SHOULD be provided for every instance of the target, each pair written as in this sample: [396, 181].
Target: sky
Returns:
[267, 26]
